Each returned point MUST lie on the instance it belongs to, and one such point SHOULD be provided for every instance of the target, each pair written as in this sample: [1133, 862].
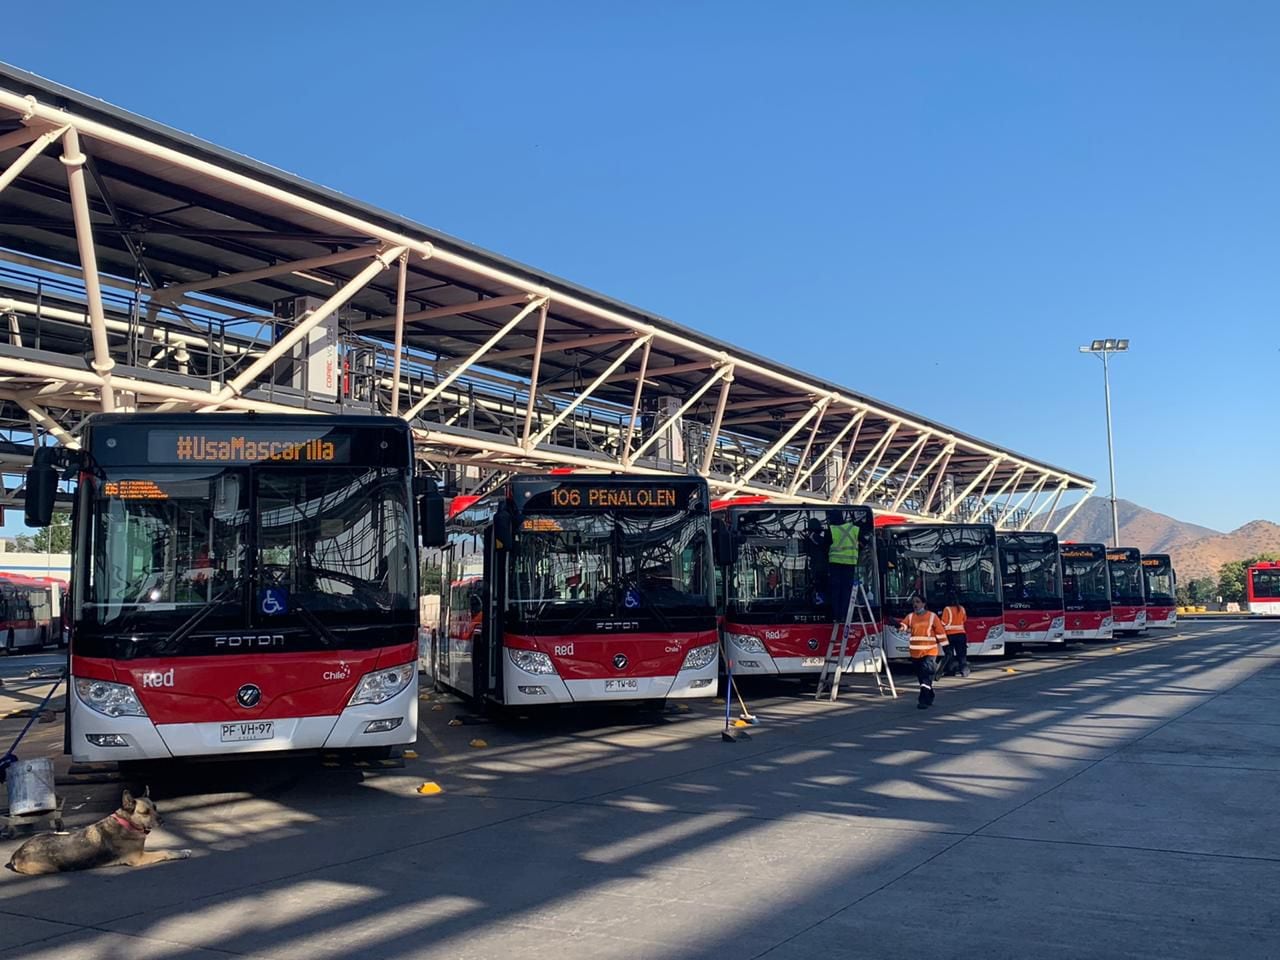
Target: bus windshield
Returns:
[1126, 583]
[604, 564]
[1159, 581]
[1030, 566]
[941, 563]
[781, 566]
[241, 548]
[1085, 584]
[1266, 583]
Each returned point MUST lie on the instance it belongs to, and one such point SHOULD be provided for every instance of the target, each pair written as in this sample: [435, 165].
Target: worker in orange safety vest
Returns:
[956, 660]
[925, 634]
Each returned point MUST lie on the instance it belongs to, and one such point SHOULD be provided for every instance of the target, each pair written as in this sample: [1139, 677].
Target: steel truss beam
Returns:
[507, 405]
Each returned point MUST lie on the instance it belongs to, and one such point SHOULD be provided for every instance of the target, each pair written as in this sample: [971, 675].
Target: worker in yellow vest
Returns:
[842, 561]
[925, 636]
[957, 658]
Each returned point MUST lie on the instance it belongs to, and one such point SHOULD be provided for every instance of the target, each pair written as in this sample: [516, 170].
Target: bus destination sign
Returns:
[606, 497]
[1151, 562]
[220, 446]
[1076, 553]
[1120, 555]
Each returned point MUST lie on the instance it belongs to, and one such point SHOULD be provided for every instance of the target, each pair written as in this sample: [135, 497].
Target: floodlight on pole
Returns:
[1103, 349]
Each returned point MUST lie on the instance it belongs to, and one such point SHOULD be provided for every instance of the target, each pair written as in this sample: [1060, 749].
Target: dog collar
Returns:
[125, 823]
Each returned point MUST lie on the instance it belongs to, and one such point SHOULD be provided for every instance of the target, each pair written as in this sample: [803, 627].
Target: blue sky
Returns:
[933, 203]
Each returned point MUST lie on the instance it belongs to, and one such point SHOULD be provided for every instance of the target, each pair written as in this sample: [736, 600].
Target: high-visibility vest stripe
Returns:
[953, 619]
[926, 633]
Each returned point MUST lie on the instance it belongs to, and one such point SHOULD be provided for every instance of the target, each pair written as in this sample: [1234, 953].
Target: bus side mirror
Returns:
[502, 528]
[722, 545]
[431, 517]
[41, 490]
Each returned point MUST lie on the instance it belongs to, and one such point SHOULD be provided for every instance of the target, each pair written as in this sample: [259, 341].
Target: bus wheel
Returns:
[9, 643]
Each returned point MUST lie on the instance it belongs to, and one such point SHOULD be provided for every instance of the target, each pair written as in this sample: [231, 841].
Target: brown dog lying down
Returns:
[117, 839]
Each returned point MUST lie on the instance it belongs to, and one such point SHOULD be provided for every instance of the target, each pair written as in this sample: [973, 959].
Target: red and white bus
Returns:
[578, 588]
[241, 583]
[1262, 588]
[944, 563]
[26, 613]
[1086, 591]
[1128, 594]
[1160, 584]
[778, 610]
[1031, 572]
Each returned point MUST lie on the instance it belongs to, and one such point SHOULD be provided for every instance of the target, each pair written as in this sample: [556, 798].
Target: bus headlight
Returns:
[996, 632]
[1108, 623]
[381, 685]
[747, 644]
[109, 699]
[1059, 623]
[699, 657]
[531, 661]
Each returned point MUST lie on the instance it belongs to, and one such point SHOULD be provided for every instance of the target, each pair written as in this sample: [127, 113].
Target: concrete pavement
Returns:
[1094, 803]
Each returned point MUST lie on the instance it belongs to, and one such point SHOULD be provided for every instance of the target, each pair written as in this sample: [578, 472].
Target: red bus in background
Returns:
[1128, 593]
[940, 561]
[26, 613]
[777, 605]
[1160, 584]
[1031, 571]
[243, 583]
[1262, 588]
[579, 588]
[1086, 591]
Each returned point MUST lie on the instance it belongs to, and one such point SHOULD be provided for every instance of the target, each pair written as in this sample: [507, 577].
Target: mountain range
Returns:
[1196, 551]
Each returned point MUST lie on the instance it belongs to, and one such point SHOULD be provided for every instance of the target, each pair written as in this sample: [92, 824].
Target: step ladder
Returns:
[834, 666]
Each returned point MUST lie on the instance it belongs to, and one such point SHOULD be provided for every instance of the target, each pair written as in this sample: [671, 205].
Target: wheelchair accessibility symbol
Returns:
[631, 599]
[274, 601]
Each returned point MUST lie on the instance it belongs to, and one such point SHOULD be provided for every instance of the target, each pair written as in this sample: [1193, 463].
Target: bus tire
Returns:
[10, 645]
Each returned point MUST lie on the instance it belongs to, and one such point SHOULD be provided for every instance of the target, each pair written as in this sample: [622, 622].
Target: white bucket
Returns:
[30, 785]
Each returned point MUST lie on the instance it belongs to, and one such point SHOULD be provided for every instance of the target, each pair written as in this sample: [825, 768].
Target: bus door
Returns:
[486, 664]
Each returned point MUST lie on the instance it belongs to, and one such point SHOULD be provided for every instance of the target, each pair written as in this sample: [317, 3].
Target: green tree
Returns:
[55, 538]
[1202, 590]
[432, 579]
[1231, 577]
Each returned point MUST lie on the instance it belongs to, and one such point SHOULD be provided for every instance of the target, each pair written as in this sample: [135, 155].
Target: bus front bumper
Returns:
[529, 689]
[96, 738]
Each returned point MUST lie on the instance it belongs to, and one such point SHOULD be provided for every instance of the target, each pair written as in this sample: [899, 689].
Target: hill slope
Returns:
[1202, 558]
[1145, 529]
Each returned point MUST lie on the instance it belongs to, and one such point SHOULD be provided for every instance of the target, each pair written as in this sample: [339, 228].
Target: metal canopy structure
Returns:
[141, 268]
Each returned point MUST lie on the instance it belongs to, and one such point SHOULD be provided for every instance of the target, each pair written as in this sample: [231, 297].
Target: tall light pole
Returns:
[1103, 349]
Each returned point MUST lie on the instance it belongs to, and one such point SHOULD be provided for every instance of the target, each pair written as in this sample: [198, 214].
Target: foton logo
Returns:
[612, 626]
[249, 643]
[155, 678]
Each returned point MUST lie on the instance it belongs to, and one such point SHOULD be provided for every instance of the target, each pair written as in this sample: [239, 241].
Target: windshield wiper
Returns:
[188, 625]
[327, 636]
